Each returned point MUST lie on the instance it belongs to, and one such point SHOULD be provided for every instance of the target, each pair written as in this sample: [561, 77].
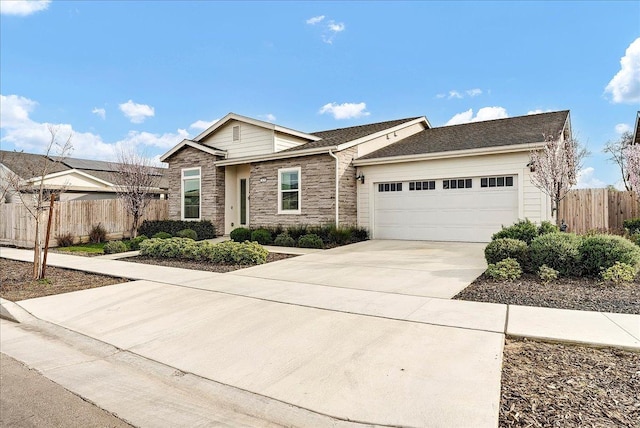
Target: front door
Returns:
[244, 202]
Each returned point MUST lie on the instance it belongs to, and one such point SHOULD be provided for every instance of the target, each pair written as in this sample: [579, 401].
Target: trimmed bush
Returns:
[635, 238]
[600, 252]
[284, 240]
[547, 227]
[204, 229]
[134, 244]
[359, 234]
[162, 235]
[187, 233]
[261, 236]
[505, 270]
[547, 274]
[241, 253]
[113, 247]
[524, 230]
[227, 252]
[240, 234]
[310, 240]
[297, 231]
[502, 248]
[559, 251]
[632, 225]
[619, 273]
[65, 240]
[97, 234]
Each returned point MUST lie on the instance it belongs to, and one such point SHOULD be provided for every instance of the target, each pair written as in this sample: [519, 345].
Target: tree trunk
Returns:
[37, 251]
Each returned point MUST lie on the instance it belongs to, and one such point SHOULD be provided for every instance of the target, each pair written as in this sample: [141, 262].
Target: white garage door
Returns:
[467, 209]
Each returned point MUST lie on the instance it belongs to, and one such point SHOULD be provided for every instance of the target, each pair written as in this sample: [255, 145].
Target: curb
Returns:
[13, 312]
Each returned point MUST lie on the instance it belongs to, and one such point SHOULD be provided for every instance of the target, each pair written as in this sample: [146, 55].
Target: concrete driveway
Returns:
[417, 268]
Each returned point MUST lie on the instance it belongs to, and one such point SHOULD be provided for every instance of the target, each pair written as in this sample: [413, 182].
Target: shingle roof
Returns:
[476, 135]
[29, 165]
[333, 137]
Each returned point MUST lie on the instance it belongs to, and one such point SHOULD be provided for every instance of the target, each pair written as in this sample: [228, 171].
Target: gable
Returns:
[74, 179]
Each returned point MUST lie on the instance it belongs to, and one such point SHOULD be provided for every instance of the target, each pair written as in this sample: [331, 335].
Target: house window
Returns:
[496, 181]
[422, 185]
[289, 191]
[191, 194]
[457, 183]
[236, 133]
[390, 187]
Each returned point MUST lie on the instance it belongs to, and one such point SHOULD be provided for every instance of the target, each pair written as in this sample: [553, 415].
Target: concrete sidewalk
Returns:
[281, 351]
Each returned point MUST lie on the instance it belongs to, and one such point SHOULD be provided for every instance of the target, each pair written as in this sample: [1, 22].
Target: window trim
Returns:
[283, 170]
[182, 179]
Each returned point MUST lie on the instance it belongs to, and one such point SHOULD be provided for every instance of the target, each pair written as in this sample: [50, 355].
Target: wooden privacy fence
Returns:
[17, 226]
[598, 209]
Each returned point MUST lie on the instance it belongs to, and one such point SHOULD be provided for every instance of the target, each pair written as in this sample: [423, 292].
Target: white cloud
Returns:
[336, 27]
[137, 113]
[538, 111]
[474, 92]
[625, 85]
[19, 130]
[23, 7]
[315, 20]
[621, 128]
[454, 94]
[201, 125]
[100, 112]
[441, 95]
[588, 180]
[345, 110]
[268, 117]
[485, 113]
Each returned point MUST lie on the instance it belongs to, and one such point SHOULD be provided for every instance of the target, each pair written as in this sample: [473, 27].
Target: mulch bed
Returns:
[553, 385]
[203, 265]
[586, 294]
[16, 283]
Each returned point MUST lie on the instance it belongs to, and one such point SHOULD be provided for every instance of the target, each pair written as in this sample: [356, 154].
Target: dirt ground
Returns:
[16, 283]
[585, 294]
[554, 385]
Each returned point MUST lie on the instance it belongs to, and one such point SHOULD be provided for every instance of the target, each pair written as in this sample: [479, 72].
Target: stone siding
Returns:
[211, 185]
[318, 191]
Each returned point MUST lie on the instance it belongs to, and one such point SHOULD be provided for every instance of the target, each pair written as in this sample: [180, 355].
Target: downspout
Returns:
[337, 187]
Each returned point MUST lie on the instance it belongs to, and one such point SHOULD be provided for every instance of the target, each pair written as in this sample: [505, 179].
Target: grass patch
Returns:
[97, 248]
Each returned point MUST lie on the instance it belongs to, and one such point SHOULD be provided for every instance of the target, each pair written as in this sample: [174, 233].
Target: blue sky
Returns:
[148, 74]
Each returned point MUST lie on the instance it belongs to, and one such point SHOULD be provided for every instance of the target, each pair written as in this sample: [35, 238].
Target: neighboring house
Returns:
[400, 179]
[636, 130]
[80, 179]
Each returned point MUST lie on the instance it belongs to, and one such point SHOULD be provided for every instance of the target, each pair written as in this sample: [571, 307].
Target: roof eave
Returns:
[276, 156]
[194, 145]
[366, 138]
[450, 154]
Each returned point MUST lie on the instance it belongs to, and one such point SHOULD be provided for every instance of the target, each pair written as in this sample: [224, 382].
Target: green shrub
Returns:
[65, 240]
[632, 225]
[284, 240]
[547, 274]
[297, 231]
[339, 235]
[113, 247]
[635, 238]
[227, 252]
[240, 234]
[134, 244]
[261, 236]
[187, 233]
[600, 252]
[204, 229]
[310, 240]
[505, 270]
[558, 250]
[547, 227]
[524, 230]
[359, 234]
[162, 235]
[242, 253]
[502, 248]
[97, 234]
[619, 273]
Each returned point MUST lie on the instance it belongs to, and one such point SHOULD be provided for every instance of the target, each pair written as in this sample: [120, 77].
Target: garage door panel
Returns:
[444, 215]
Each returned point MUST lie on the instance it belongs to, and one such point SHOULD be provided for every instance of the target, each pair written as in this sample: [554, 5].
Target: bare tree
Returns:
[555, 168]
[32, 192]
[135, 179]
[616, 150]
